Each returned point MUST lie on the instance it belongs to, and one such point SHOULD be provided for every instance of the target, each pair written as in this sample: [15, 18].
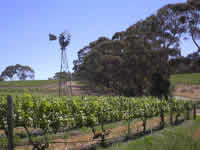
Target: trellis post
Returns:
[10, 123]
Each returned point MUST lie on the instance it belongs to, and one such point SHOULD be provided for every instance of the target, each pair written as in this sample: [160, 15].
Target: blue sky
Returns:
[25, 25]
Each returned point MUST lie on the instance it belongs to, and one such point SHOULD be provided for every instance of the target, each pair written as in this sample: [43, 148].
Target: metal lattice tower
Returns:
[64, 84]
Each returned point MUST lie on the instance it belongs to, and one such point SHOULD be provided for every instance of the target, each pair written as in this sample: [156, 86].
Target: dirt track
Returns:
[188, 91]
[75, 141]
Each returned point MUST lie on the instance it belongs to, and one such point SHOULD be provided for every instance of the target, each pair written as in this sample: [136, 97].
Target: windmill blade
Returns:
[64, 39]
[66, 43]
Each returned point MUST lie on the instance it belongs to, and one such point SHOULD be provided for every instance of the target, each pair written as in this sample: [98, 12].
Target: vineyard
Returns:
[53, 114]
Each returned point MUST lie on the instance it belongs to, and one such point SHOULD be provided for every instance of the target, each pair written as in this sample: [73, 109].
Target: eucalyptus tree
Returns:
[99, 62]
[87, 64]
[188, 18]
[19, 71]
[127, 62]
[150, 45]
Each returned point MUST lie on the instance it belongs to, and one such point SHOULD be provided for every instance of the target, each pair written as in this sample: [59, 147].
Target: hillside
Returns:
[187, 78]
[43, 87]
[186, 85]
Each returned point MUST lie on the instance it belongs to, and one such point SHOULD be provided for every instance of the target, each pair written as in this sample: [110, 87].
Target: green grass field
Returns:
[34, 87]
[40, 87]
[27, 83]
[188, 78]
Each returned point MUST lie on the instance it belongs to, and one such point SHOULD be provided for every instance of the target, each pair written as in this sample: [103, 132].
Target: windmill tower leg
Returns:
[65, 85]
[60, 77]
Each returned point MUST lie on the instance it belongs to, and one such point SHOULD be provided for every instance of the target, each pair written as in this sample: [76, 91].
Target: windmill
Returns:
[64, 83]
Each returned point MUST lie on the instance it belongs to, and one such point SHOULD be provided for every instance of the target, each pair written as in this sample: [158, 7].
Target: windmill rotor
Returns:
[64, 39]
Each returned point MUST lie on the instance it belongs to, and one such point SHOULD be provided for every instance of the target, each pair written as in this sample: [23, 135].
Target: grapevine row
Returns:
[50, 113]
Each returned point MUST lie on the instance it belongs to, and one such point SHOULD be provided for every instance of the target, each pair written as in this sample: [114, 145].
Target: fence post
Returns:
[195, 111]
[188, 114]
[10, 123]
[129, 118]
[171, 113]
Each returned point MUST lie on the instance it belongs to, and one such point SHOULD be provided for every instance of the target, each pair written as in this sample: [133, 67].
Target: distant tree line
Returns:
[188, 64]
[138, 61]
[17, 71]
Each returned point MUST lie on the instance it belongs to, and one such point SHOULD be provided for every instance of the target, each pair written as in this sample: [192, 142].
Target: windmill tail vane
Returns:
[52, 37]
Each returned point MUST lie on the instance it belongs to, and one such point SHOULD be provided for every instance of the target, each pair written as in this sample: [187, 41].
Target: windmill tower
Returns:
[64, 84]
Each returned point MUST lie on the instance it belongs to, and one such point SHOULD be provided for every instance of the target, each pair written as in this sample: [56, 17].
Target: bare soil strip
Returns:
[84, 140]
[188, 91]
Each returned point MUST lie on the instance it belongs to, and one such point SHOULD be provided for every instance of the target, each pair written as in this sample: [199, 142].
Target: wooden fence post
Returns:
[129, 119]
[188, 114]
[10, 123]
[195, 111]
[171, 113]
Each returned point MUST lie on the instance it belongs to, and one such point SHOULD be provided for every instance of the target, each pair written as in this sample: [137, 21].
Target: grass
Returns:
[34, 87]
[27, 83]
[40, 87]
[185, 137]
[187, 78]
[32, 91]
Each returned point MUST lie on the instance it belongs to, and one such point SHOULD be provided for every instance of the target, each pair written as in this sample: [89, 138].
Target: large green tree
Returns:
[188, 18]
[135, 62]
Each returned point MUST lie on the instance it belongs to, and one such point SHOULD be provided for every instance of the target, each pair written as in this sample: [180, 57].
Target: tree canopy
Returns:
[18, 71]
[134, 61]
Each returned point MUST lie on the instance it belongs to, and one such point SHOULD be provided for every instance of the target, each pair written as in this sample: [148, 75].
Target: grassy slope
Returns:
[27, 83]
[188, 78]
[40, 86]
[36, 87]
